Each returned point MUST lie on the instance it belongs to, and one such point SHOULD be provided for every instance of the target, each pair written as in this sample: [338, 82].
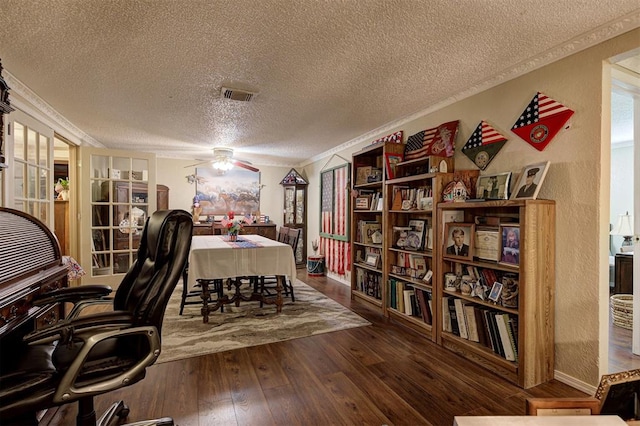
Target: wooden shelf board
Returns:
[367, 298]
[412, 321]
[480, 302]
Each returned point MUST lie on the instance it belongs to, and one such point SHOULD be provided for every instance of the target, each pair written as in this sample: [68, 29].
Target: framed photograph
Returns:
[496, 290]
[618, 392]
[373, 259]
[416, 236]
[487, 244]
[458, 242]
[362, 203]
[510, 244]
[390, 161]
[529, 182]
[493, 187]
[362, 173]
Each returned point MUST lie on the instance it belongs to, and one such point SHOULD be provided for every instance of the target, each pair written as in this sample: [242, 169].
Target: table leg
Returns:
[279, 285]
[205, 304]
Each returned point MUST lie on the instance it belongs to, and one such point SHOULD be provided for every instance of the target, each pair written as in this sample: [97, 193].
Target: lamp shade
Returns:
[624, 226]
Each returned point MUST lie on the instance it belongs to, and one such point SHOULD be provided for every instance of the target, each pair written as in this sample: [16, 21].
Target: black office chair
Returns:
[83, 356]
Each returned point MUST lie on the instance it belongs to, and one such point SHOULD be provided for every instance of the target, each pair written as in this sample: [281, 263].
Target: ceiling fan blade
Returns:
[197, 164]
[244, 165]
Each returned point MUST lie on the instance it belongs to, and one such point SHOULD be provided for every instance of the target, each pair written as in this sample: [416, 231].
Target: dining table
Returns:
[217, 257]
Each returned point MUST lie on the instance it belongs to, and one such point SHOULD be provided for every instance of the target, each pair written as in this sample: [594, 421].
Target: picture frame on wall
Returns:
[530, 181]
[458, 242]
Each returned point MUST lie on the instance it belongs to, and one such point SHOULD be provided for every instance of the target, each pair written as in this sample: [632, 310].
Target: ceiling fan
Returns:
[223, 161]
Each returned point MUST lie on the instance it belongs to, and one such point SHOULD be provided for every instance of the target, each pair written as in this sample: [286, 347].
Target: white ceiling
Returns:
[146, 75]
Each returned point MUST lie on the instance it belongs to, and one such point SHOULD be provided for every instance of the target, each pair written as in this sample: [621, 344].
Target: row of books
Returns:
[410, 300]
[493, 329]
[368, 282]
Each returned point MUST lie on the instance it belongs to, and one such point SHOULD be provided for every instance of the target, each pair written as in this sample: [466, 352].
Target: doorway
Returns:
[65, 194]
[624, 344]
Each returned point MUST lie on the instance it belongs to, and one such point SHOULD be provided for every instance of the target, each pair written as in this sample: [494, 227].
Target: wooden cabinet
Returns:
[295, 211]
[162, 194]
[507, 326]
[267, 230]
[623, 273]
[368, 223]
[61, 224]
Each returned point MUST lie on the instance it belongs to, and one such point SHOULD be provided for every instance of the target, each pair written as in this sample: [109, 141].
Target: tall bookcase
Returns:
[368, 222]
[411, 242]
[511, 332]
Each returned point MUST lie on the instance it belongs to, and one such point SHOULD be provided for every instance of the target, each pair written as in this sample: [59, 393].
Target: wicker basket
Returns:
[622, 310]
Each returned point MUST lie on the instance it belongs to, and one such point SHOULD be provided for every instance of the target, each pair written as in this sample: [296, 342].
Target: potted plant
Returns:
[62, 189]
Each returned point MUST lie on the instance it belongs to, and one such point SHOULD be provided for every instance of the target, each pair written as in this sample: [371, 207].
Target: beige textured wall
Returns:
[578, 180]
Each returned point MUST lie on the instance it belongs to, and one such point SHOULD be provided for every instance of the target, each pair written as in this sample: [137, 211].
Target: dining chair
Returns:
[267, 284]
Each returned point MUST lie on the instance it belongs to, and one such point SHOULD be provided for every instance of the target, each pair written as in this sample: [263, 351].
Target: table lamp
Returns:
[624, 228]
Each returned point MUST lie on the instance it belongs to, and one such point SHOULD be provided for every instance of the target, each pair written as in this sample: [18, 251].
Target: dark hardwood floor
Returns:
[382, 374]
[620, 356]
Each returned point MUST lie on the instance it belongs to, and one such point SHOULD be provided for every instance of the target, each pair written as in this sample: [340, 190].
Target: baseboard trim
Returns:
[574, 383]
[340, 278]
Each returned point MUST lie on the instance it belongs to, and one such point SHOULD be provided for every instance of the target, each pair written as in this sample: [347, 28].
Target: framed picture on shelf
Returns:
[415, 237]
[362, 203]
[493, 187]
[530, 181]
[510, 244]
[362, 173]
[373, 259]
[458, 241]
[390, 161]
[496, 290]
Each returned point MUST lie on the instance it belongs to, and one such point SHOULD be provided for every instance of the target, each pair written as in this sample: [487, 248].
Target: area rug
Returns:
[185, 336]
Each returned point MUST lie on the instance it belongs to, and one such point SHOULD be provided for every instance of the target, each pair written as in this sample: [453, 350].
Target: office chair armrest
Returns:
[65, 330]
[72, 294]
[69, 390]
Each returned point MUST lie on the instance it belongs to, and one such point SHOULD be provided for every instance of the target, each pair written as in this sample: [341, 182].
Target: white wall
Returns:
[621, 186]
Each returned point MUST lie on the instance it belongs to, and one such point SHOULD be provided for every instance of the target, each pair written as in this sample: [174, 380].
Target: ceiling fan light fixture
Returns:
[222, 163]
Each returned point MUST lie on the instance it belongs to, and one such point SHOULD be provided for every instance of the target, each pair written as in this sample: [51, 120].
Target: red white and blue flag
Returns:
[334, 239]
[438, 141]
[483, 145]
[541, 121]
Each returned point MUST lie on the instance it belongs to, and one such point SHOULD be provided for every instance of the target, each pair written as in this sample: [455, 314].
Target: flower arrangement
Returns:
[234, 226]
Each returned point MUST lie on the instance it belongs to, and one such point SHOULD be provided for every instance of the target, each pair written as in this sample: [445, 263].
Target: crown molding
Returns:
[30, 103]
[575, 45]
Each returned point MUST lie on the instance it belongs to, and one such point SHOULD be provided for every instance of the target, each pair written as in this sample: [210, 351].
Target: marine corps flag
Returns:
[541, 121]
[438, 141]
[483, 145]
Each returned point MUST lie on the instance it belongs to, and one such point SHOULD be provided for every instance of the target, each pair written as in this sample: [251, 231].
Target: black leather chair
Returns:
[83, 356]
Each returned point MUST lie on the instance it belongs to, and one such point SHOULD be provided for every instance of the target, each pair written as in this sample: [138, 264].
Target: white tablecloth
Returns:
[213, 257]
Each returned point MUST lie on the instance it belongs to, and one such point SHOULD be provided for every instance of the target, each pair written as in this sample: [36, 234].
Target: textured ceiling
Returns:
[146, 75]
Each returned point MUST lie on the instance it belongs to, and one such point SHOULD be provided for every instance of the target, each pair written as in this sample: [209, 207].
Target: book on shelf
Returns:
[483, 332]
[472, 326]
[392, 294]
[493, 332]
[400, 296]
[419, 264]
[453, 315]
[423, 298]
[446, 316]
[408, 305]
[462, 323]
[504, 337]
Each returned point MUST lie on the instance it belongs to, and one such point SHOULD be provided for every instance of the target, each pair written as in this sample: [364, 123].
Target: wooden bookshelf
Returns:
[532, 317]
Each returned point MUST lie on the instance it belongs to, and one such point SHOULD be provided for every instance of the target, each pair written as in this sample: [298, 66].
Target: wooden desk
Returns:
[267, 230]
[213, 257]
[623, 274]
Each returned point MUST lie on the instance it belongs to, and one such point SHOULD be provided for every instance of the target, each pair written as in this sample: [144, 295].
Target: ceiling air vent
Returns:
[237, 94]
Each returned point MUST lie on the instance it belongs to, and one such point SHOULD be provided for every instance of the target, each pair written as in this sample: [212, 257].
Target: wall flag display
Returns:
[438, 141]
[483, 145]
[541, 121]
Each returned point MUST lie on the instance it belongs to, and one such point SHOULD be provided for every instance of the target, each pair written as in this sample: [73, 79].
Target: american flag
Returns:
[334, 220]
[438, 141]
[483, 145]
[541, 121]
